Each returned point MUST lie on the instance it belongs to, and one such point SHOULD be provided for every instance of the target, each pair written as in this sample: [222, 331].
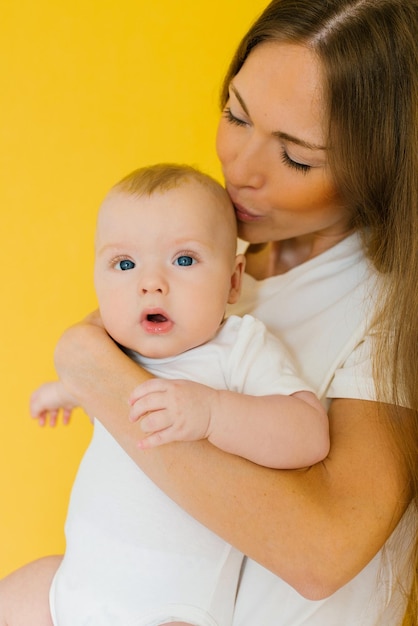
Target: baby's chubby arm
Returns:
[48, 400]
[277, 431]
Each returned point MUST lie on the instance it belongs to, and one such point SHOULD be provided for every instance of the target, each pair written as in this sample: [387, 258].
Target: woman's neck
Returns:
[278, 257]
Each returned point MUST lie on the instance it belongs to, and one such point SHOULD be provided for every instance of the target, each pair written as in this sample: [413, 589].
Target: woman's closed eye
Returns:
[232, 119]
[300, 167]
[295, 165]
[236, 121]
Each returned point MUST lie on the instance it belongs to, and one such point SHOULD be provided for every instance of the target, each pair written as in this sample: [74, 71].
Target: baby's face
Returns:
[165, 268]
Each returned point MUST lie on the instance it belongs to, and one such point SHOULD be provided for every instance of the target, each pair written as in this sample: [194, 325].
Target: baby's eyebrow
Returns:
[281, 135]
[102, 249]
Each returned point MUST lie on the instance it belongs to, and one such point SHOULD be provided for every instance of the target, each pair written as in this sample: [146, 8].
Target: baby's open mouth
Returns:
[156, 318]
[156, 322]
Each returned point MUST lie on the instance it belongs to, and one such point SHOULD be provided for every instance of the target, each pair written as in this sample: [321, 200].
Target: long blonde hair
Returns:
[368, 51]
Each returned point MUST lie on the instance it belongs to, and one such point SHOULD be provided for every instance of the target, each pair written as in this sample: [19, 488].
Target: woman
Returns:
[318, 144]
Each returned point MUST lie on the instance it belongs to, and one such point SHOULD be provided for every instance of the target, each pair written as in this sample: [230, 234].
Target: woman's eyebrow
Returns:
[299, 142]
[239, 98]
[278, 133]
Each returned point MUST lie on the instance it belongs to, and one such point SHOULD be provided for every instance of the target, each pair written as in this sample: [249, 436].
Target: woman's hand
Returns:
[94, 369]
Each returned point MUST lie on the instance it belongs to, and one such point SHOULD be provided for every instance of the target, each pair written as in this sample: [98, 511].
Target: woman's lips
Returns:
[156, 322]
[243, 215]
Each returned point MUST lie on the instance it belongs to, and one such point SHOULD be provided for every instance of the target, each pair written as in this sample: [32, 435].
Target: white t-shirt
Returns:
[133, 556]
[321, 310]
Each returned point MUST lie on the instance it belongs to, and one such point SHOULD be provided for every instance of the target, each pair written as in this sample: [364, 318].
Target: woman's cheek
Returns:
[224, 141]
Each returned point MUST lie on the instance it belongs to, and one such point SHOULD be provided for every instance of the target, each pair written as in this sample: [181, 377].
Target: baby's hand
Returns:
[47, 402]
[172, 410]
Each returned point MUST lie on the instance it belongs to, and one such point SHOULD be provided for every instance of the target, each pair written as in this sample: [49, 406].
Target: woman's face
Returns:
[271, 144]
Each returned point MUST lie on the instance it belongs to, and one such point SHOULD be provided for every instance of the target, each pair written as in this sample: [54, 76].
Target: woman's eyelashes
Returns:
[232, 119]
[236, 121]
[300, 167]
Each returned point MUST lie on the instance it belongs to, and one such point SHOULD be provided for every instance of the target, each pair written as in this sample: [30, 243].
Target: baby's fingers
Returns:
[46, 417]
[42, 418]
[66, 416]
[148, 387]
[53, 417]
[49, 417]
[156, 439]
[155, 422]
[147, 404]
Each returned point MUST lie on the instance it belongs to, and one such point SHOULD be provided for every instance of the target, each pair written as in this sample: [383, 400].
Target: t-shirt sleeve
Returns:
[259, 364]
[354, 378]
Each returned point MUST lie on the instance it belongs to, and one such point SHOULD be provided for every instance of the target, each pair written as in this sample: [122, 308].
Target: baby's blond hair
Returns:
[165, 176]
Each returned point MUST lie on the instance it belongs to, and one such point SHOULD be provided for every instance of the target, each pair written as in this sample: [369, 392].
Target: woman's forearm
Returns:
[102, 380]
[299, 524]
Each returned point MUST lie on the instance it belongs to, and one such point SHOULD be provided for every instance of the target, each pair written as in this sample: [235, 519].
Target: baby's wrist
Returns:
[215, 416]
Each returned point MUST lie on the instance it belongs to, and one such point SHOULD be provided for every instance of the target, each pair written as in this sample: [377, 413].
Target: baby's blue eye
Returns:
[125, 264]
[185, 260]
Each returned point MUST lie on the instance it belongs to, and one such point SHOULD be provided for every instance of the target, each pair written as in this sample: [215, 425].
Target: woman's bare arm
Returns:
[299, 524]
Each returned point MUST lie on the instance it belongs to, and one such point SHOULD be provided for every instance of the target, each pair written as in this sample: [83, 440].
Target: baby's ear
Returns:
[236, 279]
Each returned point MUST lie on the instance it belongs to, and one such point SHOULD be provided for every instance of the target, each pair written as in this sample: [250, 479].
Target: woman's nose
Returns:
[246, 167]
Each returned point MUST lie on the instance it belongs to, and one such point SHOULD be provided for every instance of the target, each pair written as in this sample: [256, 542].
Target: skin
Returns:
[360, 489]
[271, 144]
[312, 514]
[32, 582]
[165, 268]
[153, 280]
[187, 271]
[306, 520]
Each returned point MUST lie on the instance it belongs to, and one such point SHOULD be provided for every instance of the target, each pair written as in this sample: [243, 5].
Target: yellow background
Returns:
[89, 91]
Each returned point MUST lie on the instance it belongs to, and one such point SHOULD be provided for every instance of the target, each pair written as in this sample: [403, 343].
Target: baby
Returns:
[165, 269]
